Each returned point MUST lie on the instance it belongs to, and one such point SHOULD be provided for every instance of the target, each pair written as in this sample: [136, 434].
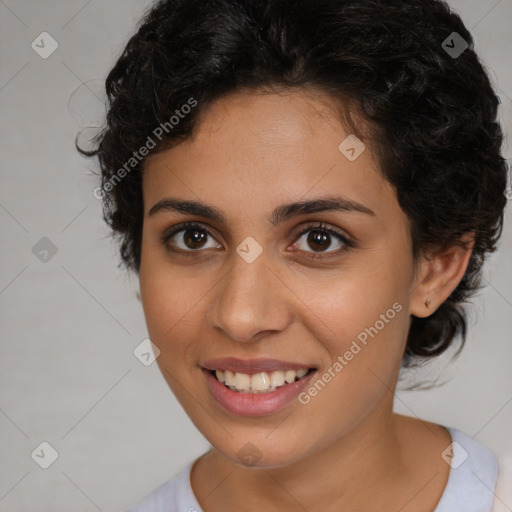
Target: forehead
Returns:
[251, 150]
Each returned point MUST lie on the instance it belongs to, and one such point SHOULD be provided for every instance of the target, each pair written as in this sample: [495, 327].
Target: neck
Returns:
[368, 457]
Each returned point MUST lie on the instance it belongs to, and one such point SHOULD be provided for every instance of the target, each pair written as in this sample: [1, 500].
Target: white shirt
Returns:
[470, 488]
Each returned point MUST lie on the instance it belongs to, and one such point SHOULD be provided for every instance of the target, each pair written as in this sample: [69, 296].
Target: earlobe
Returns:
[439, 276]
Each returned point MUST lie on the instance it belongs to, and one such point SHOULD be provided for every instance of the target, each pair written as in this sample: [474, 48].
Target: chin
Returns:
[259, 454]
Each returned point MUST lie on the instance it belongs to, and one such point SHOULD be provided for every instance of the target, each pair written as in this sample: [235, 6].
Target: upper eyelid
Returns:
[178, 228]
[322, 226]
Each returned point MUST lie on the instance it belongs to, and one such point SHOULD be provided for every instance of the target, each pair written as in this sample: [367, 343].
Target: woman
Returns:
[307, 191]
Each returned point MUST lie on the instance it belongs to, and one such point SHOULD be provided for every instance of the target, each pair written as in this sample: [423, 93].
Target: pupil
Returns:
[318, 239]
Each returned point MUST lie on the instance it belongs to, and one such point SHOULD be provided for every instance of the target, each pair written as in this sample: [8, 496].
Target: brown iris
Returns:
[193, 237]
[316, 238]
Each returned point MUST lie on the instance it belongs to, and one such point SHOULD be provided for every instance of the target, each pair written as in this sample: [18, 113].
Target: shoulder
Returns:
[503, 500]
[473, 475]
[175, 495]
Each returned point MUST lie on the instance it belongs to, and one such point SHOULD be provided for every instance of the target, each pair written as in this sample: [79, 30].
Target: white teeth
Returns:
[229, 377]
[262, 382]
[289, 376]
[301, 373]
[242, 381]
[277, 379]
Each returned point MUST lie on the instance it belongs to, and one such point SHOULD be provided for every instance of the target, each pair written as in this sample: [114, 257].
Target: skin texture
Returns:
[250, 153]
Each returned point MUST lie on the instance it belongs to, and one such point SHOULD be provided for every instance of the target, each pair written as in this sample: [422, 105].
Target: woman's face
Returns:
[246, 286]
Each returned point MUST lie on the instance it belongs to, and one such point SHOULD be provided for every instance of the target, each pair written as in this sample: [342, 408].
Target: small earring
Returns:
[427, 302]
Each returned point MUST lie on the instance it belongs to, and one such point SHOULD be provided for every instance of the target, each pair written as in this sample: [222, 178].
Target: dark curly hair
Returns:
[432, 114]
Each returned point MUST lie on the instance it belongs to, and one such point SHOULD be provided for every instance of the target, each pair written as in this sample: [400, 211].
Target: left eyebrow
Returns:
[280, 214]
[284, 212]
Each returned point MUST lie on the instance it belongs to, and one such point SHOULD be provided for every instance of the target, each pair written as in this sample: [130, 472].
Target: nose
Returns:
[251, 301]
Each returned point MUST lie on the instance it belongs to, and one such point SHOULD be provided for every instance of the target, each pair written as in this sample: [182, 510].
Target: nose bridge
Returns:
[249, 299]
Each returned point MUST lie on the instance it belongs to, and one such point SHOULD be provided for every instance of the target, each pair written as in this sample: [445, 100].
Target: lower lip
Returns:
[251, 404]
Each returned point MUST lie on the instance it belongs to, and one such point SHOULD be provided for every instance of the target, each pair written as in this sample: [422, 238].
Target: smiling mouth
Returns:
[259, 383]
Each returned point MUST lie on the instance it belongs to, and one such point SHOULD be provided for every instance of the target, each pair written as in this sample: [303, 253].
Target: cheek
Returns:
[168, 297]
[338, 306]
[360, 319]
[172, 308]
[364, 356]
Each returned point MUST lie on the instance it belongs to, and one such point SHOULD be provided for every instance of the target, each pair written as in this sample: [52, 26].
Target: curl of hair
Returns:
[433, 118]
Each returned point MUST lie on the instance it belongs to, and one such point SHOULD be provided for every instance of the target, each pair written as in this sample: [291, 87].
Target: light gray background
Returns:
[69, 326]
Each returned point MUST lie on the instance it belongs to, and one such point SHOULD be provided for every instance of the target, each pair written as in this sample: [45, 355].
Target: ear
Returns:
[438, 274]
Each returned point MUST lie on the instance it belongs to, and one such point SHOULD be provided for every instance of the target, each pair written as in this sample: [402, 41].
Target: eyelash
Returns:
[348, 244]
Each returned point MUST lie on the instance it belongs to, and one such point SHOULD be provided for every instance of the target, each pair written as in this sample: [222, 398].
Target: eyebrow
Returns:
[280, 214]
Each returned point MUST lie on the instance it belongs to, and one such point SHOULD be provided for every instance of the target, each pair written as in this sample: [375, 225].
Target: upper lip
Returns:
[252, 366]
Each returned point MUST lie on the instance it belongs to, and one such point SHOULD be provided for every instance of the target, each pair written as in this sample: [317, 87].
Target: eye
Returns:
[320, 239]
[193, 238]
